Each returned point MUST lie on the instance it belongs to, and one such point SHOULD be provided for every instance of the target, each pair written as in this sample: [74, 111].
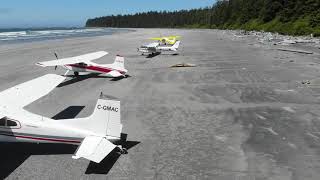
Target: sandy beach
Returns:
[244, 112]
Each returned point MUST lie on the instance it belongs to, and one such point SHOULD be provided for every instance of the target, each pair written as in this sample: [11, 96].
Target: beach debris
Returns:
[261, 117]
[271, 130]
[222, 138]
[313, 136]
[304, 41]
[289, 109]
[287, 42]
[268, 38]
[238, 36]
[295, 50]
[293, 146]
[284, 138]
[183, 65]
[287, 90]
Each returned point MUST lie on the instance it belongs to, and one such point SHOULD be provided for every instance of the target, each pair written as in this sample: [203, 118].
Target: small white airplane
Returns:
[96, 135]
[83, 63]
[156, 47]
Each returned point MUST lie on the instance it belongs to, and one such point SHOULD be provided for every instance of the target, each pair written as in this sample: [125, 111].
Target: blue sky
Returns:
[49, 13]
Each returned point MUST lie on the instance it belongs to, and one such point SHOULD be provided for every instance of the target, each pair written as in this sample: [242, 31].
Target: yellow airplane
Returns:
[167, 39]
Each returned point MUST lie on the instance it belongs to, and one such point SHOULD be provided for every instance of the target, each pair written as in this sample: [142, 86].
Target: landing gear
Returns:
[122, 150]
[76, 73]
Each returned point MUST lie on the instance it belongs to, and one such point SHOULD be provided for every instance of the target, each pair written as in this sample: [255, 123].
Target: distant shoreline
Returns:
[21, 35]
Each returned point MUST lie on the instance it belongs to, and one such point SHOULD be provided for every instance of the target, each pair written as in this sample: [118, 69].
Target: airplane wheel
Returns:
[122, 150]
[76, 73]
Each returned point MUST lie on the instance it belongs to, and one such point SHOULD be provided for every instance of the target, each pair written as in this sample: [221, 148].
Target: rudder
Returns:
[176, 45]
[106, 117]
[119, 61]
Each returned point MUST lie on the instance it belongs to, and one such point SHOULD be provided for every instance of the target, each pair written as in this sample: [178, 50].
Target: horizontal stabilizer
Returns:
[115, 74]
[86, 58]
[94, 148]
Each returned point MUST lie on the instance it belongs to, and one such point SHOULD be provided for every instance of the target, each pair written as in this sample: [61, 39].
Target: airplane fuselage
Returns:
[33, 128]
[150, 50]
[98, 134]
[94, 68]
[157, 48]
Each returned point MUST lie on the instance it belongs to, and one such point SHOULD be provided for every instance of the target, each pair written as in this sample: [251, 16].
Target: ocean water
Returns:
[29, 35]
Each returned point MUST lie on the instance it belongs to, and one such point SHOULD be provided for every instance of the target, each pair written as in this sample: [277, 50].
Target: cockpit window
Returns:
[7, 122]
[11, 123]
[3, 121]
[82, 64]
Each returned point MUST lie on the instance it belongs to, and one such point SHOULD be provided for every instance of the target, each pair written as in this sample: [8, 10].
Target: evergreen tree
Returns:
[289, 16]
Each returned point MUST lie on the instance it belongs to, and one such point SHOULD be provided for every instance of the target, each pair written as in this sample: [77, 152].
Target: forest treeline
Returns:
[294, 17]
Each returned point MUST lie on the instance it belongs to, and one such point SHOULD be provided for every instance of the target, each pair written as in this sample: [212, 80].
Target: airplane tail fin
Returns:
[176, 45]
[106, 117]
[119, 61]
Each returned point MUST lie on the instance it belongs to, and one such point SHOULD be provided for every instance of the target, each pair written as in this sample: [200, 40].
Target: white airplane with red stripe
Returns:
[83, 63]
[96, 135]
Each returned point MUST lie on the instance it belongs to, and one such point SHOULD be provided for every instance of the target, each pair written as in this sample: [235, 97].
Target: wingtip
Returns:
[75, 157]
[105, 52]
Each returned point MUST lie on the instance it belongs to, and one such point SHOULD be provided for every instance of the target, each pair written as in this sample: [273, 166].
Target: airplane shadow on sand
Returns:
[76, 79]
[153, 55]
[14, 154]
[163, 54]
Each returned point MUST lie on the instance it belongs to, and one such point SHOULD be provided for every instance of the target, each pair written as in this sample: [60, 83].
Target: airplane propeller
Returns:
[55, 54]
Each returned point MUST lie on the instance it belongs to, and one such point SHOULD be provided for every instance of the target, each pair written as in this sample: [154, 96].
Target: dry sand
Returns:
[241, 114]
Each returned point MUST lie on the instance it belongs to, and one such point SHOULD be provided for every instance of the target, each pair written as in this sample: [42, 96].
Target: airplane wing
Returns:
[152, 45]
[174, 37]
[25, 93]
[156, 38]
[94, 148]
[165, 37]
[86, 58]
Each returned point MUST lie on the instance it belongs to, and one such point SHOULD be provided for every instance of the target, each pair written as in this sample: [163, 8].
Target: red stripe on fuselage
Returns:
[43, 139]
[95, 68]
